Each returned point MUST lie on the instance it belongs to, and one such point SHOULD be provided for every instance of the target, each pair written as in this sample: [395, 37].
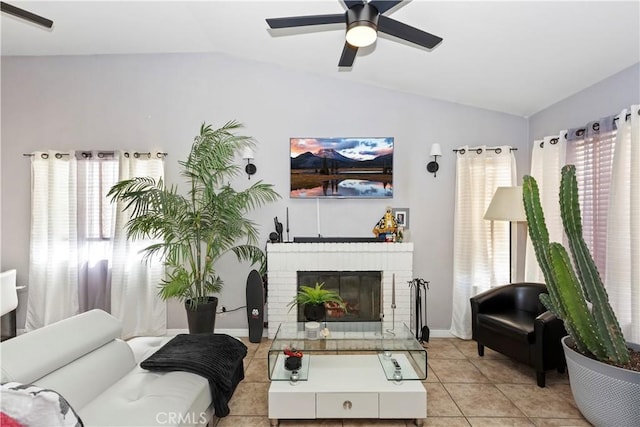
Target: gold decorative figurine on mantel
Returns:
[387, 225]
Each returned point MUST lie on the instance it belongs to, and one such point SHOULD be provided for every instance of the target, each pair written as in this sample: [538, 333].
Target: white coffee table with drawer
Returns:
[350, 374]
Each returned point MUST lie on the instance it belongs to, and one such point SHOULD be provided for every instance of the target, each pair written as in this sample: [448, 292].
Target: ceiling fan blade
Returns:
[348, 55]
[384, 5]
[23, 14]
[351, 3]
[301, 21]
[407, 32]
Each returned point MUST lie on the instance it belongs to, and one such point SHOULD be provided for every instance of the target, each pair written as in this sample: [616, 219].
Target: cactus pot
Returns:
[605, 394]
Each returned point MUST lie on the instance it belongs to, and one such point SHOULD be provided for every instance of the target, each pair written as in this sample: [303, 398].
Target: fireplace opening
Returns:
[360, 291]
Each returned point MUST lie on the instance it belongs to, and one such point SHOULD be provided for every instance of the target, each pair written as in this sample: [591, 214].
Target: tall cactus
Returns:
[593, 328]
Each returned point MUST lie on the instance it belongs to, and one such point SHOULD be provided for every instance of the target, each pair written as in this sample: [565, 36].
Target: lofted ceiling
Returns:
[517, 57]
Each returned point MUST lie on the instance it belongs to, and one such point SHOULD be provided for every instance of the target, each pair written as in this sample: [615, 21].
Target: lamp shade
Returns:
[506, 205]
[247, 153]
[435, 150]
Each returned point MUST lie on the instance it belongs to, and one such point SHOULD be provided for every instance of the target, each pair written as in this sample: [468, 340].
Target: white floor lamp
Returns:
[507, 205]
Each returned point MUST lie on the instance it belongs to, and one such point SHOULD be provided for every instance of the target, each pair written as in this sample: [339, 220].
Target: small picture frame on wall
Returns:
[402, 216]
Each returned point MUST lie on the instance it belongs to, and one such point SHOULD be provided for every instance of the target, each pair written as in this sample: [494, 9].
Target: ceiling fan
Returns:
[24, 14]
[363, 21]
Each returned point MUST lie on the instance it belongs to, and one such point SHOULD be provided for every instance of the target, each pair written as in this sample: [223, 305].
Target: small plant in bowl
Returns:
[313, 300]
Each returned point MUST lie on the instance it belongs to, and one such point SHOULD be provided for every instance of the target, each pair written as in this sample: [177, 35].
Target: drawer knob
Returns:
[347, 404]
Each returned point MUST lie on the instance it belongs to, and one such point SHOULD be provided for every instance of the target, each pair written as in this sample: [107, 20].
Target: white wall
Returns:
[145, 101]
[605, 98]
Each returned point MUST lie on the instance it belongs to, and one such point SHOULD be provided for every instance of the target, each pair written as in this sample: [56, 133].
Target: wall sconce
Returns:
[433, 165]
[250, 169]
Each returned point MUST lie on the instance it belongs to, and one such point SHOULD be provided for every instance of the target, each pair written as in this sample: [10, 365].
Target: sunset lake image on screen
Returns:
[342, 167]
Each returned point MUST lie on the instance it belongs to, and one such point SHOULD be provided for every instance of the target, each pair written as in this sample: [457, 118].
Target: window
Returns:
[591, 150]
[96, 215]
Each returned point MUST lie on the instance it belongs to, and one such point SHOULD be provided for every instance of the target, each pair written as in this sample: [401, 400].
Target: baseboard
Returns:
[441, 333]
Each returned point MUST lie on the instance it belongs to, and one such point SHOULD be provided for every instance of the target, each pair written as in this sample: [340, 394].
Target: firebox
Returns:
[360, 291]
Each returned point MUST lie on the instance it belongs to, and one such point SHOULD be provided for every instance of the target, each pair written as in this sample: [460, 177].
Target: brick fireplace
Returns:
[285, 260]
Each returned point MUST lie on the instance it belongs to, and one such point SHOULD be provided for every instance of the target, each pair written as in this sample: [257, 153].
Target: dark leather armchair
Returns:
[511, 320]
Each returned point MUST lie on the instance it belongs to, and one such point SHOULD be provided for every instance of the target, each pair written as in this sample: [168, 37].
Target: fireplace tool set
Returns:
[418, 288]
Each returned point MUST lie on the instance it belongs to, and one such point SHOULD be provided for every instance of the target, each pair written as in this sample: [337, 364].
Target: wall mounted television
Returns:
[342, 167]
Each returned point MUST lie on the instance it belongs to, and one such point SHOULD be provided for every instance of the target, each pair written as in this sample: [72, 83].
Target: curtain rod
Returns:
[581, 131]
[46, 155]
[626, 118]
[497, 150]
[101, 154]
[136, 155]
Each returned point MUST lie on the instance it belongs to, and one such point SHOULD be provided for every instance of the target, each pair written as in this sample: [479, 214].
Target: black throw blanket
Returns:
[216, 357]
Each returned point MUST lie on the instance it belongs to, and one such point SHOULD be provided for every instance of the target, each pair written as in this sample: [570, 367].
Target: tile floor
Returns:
[463, 389]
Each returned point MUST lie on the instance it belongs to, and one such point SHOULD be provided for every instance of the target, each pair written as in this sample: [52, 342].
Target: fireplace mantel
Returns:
[286, 259]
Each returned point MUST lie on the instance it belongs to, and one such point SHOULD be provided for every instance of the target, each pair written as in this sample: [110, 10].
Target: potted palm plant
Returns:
[313, 300]
[604, 371]
[193, 230]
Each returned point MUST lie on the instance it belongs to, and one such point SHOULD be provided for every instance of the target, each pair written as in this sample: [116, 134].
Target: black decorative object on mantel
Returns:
[278, 226]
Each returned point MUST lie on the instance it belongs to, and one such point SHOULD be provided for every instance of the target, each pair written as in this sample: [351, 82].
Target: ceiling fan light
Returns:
[361, 34]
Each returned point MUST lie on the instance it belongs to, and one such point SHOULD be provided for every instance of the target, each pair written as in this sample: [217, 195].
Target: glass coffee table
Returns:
[358, 370]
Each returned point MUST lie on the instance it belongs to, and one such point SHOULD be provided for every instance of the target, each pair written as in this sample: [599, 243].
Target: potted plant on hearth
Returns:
[604, 369]
[313, 300]
[193, 230]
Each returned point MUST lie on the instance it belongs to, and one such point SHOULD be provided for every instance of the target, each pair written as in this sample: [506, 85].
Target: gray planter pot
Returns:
[606, 395]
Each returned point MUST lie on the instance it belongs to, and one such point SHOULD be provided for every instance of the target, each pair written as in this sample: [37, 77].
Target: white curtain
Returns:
[481, 248]
[97, 173]
[607, 160]
[547, 159]
[53, 257]
[622, 277]
[134, 282]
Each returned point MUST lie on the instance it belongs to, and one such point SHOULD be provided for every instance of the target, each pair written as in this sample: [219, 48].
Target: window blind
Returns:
[591, 150]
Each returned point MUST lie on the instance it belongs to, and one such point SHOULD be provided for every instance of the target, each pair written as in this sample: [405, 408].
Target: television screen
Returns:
[342, 167]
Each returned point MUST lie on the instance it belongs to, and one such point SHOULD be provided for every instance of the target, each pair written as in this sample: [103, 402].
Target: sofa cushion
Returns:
[35, 354]
[144, 398]
[515, 324]
[87, 377]
[144, 347]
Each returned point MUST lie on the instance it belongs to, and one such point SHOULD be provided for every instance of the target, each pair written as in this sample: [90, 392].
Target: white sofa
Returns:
[84, 360]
